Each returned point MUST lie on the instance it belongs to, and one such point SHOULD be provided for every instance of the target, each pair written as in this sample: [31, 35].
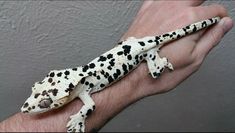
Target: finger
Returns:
[213, 36]
[190, 2]
[205, 12]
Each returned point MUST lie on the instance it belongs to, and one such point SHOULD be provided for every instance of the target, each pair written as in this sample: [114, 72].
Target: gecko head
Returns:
[54, 91]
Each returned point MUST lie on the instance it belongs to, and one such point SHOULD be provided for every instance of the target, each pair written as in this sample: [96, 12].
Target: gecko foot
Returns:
[76, 124]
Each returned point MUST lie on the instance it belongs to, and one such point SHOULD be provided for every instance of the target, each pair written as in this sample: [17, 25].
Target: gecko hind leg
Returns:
[77, 121]
[156, 64]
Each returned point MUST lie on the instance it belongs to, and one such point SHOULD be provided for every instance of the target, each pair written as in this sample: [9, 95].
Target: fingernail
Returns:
[227, 25]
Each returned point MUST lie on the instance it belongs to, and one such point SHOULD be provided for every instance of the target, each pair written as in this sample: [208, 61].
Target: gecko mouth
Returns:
[45, 103]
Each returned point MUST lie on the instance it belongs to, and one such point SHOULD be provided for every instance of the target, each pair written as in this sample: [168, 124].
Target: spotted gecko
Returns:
[60, 87]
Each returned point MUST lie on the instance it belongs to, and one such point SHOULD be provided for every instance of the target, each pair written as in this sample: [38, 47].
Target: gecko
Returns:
[60, 87]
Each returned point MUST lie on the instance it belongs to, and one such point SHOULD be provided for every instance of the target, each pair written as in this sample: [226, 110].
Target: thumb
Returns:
[212, 36]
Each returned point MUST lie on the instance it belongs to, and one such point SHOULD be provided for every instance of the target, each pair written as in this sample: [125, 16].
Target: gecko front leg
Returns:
[156, 64]
[77, 121]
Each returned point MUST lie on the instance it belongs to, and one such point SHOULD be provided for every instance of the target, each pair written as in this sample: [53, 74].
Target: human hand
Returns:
[186, 54]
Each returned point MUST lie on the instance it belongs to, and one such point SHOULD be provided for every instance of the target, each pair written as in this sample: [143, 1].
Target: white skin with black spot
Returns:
[60, 87]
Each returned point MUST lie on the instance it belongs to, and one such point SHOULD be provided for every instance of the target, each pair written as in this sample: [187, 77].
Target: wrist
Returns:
[110, 101]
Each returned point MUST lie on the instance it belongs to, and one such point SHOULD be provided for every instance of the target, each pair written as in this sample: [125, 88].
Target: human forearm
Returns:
[108, 103]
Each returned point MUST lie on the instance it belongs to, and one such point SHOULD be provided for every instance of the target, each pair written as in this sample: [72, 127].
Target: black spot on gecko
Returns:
[204, 24]
[52, 74]
[156, 74]
[89, 73]
[107, 74]
[71, 85]
[26, 105]
[52, 84]
[50, 80]
[154, 57]
[118, 71]
[194, 28]
[68, 90]
[165, 35]
[126, 49]
[102, 58]
[141, 57]
[101, 64]
[88, 112]
[157, 39]
[119, 43]
[59, 74]
[36, 95]
[109, 67]
[141, 43]
[124, 67]
[86, 83]
[44, 93]
[91, 85]
[185, 30]
[75, 69]
[112, 62]
[85, 68]
[120, 53]
[92, 65]
[80, 74]
[211, 20]
[130, 67]
[136, 57]
[53, 91]
[109, 56]
[115, 75]
[82, 80]
[150, 41]
[102, 72]
[178, 36]
[129, 57]
[25, 111]
[94, 74]
[110, 79]
[187, 27]
[102, 85]
[98, 77]
[66, 72]
[41, 82]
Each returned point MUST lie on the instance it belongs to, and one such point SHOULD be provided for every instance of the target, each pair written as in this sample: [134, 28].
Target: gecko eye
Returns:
[45, 103]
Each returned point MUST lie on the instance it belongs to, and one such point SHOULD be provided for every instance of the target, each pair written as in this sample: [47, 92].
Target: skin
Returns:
[153, 18]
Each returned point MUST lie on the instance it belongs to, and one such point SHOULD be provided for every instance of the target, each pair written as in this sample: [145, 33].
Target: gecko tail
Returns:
[176, 34]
